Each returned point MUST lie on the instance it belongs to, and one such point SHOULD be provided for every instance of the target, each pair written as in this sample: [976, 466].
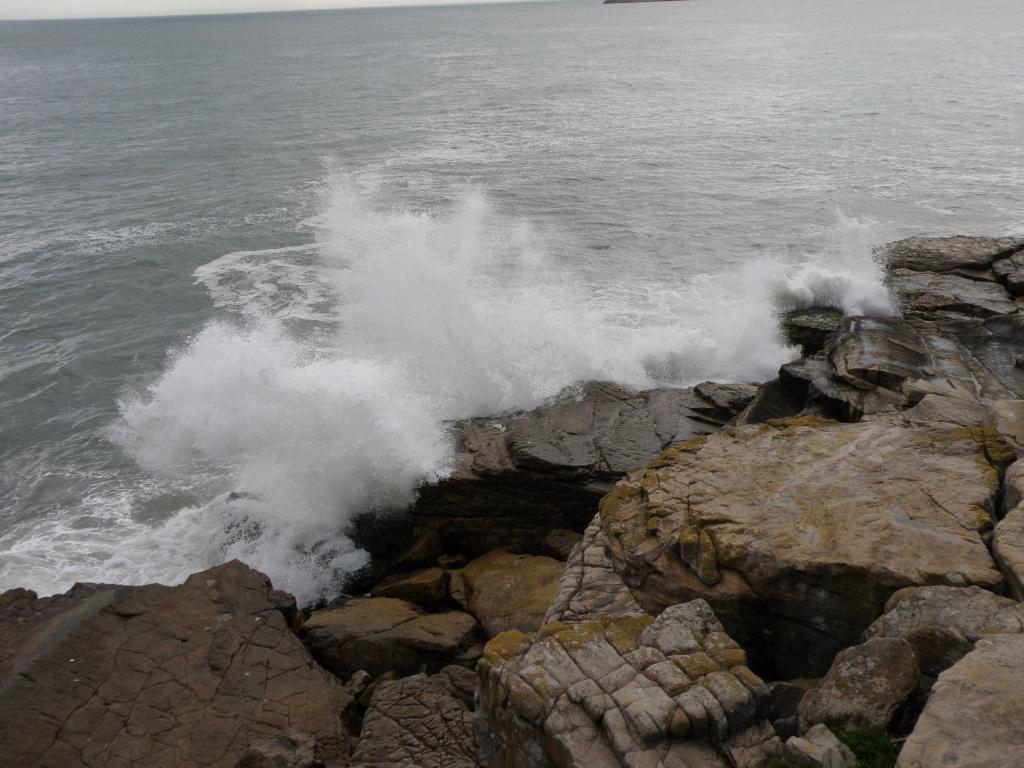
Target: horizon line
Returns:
[357, 5]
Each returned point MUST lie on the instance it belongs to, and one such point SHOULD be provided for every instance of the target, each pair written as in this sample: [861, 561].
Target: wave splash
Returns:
[328, 392]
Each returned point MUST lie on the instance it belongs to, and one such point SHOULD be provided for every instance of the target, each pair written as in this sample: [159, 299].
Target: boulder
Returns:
[865, 687]
[798, 531]
[417, 722]
[291, 749]
[974, 717]
[423, 587]
[624, 690]
[1008, 550]
[810, 328]
[942, 624]
[589, 588]
[818, 748]
[975, 255]
[381, 634]
[507, 591]
[516, 478]
[158, 676]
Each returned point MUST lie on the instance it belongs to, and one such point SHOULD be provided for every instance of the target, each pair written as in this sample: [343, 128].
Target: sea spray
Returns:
[328, 387]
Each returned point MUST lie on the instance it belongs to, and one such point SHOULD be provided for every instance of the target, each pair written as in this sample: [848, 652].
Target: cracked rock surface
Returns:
[158, 677]
[630, 690]
[798, 531]
[420, 722]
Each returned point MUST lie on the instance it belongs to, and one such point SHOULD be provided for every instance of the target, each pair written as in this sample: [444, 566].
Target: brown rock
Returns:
[818, 748]
[158, 676]
[560, 543]
[381, 634]
[506, 591]
[423, 587]
[974, 715]
[417, 722]
[864, 688]
[1008, 550]
[798, 531]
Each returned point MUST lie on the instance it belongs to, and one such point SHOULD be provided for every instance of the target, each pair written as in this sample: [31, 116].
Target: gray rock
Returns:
[974, 717]
[943, 623]
[946, 254]
[810, 328]
[865, 687]
[925, 293]
[818, 748]
[1008, 550]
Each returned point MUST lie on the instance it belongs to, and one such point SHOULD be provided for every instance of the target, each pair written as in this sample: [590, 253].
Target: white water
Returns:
[435, 317]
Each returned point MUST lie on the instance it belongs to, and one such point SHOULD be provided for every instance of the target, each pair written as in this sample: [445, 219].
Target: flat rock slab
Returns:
[507, 591]
[384, 634]
[417, 722]
[928, 292]
[158, 676]
[798, 531]
[975, 714]
[630, 690]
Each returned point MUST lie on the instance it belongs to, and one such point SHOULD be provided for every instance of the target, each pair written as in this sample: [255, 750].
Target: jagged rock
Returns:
[1013, 486]
[943, 623]
[724, 400]
[1008, 550]
[779, 398]
[810, 328]
[292, 749]
[1010, 271]
[506, 591]
[629, 690]
[381, 634]
[424, 548]
[948, 254]
[798, 531]
[1007, 418]
[865, 687]
[417, 722]
[818, 748]
[975, 713]
[517, 478]
[589, 588]
[560, 543]
[158, 676]
[927, 293]
[423, 587]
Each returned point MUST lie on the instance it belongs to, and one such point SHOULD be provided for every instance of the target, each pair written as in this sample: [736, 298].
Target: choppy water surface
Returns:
[276, 253]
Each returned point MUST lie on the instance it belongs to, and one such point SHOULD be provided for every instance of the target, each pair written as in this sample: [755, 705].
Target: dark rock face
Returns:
[158, 676]
[810, 328]
[293, 749]
[420, 722]
[520, 477]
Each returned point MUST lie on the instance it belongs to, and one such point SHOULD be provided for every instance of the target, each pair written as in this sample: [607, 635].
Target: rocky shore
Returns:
[819, 571]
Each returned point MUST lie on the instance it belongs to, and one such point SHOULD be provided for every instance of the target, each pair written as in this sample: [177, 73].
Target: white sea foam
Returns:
[430, 317]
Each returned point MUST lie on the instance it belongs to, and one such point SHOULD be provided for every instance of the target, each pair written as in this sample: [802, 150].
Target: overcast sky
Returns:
[76, 9]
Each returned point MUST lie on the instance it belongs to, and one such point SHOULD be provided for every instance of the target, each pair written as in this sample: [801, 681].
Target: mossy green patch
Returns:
[872, 747]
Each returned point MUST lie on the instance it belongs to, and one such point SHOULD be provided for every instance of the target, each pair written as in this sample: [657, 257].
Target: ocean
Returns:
[275, 256]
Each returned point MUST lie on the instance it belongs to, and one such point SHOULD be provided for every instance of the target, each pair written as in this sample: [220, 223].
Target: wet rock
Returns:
[865, 687]
[517, 478]
[424, 549]
[942, 624]
[810, 328]
[158, 676]
[381, 634]
[423, 587]
[292, 749]
[925, 294]
[1010, 272]
[417, 722]
[798, 531]
[948, 254]
[589, 588]
[975, 713]
[818, 748]
[507, 591]
[625, 690]
[724, 401]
